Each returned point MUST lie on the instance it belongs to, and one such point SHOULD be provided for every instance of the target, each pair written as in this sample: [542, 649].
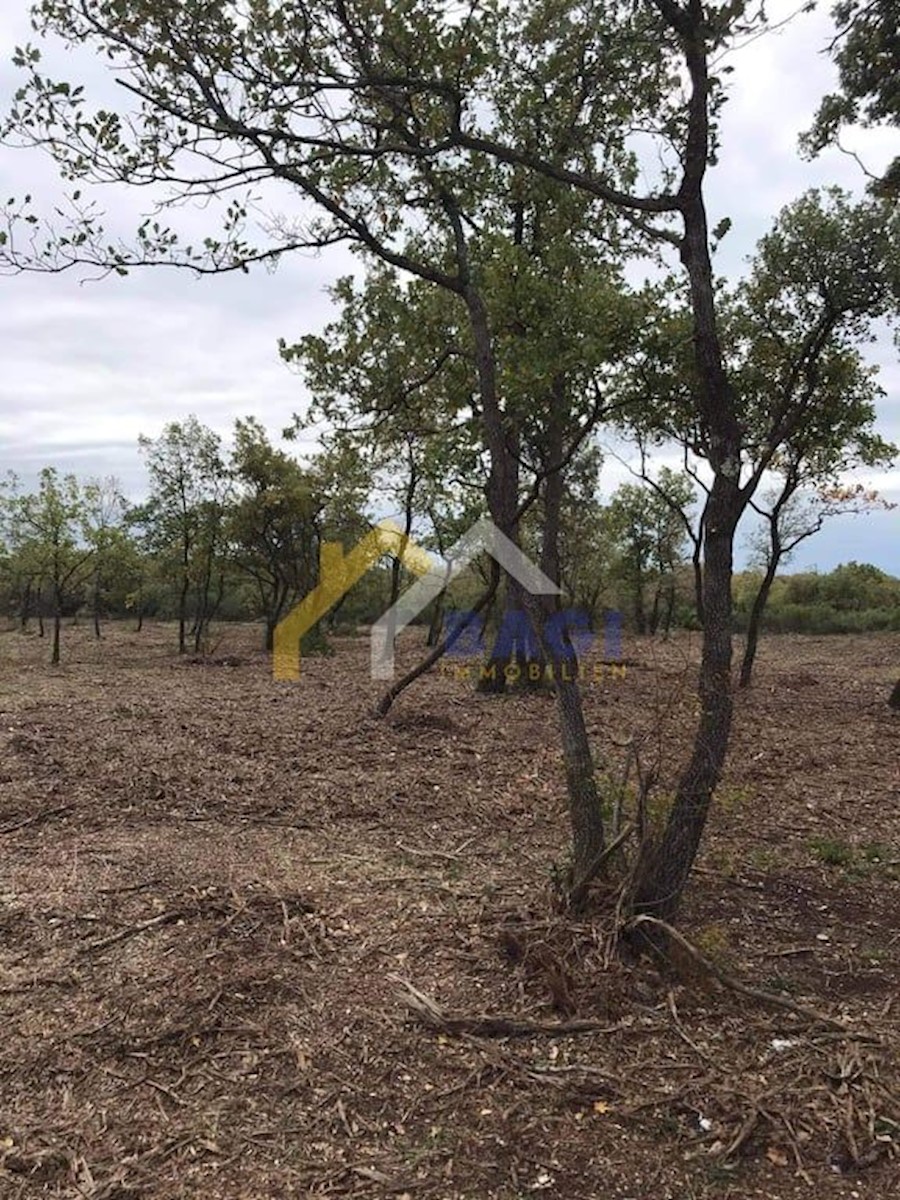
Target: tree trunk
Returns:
[670, 610]
[25, 610]
[756, 612]
[640, 619]
[95, 605]
[654, 611]
[666, 861]
[515, 660]
[585, 813]
[436, 624]
[182, 615]
[57, 623]
[393, 597]
[697, 565]
[409, 499]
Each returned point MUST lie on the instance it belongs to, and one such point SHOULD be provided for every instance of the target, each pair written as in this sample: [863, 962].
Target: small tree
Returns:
[586, 553]
[789, 517]
[47, 526]
[183, 518]
[103, 529]
[389, 378]
[273, 522]
[646, 526]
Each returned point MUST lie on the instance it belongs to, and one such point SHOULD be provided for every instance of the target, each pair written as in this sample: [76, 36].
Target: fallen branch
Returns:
[165, 918]
[451, 856]
[130, 887]
[735, 984]
[36, 981]
[430, 1013]
[37, 818]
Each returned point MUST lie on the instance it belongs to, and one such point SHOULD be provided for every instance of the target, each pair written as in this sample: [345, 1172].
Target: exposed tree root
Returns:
[744, 989]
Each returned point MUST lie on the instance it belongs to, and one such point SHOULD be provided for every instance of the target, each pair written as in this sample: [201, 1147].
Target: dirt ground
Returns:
[255, 943]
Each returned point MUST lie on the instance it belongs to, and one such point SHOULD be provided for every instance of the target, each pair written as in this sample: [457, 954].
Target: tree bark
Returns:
[182, 615]
[640, 618]
[670, 610]
[666, 864]
[436, 624]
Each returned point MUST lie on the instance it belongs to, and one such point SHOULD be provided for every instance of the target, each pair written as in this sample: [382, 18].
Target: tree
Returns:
[825, 274]
[586, 552]
[103, 529]
[387, 377]
[866, 50]
[647, 528]
[183, 518]
[792, 333]
[22, 573]
[273, 522]
[47, 525]
[790, 516]
[401, 123]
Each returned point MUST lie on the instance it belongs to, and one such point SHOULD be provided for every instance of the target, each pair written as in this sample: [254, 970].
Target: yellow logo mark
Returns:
[337, 575]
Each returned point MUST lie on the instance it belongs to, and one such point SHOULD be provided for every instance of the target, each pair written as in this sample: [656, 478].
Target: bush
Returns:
[854, 598]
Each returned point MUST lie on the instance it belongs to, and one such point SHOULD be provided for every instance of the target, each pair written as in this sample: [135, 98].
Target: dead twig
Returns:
[389, 1183]
[36, 818]
[451, 856]
[165, 918]
[791, 951]
[688, 1040]
[621, 786]
[578, 891]
[743, 1134]
[430, 1013]
[130, 887]
[39, 981]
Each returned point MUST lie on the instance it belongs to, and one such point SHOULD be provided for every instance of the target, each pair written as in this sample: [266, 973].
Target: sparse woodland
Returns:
[547, 920]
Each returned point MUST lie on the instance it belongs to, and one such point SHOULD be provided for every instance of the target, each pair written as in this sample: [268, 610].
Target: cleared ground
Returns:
[216, 892]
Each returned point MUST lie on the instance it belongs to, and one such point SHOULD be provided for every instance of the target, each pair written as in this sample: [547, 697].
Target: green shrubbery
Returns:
[853, 598]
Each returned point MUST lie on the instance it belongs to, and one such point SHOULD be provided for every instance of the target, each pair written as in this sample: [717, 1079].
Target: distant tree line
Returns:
[236, 537]
[853, 598]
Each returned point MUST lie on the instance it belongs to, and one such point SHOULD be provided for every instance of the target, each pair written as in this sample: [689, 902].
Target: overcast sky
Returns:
[86, 367]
